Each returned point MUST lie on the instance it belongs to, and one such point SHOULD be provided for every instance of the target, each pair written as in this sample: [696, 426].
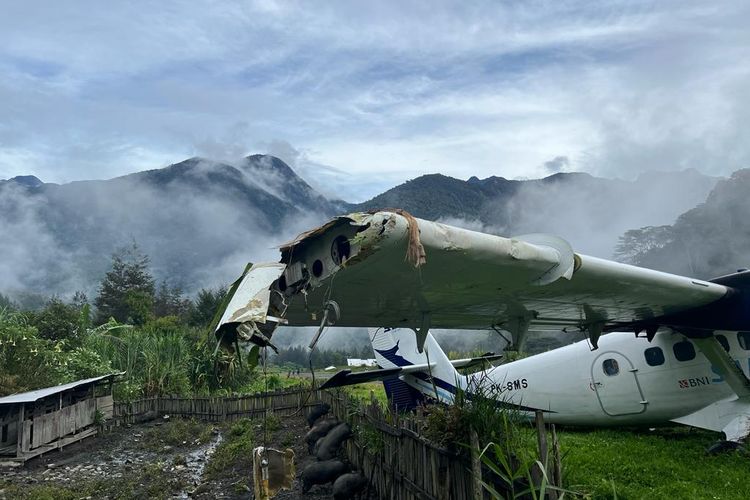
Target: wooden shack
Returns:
[35, 422]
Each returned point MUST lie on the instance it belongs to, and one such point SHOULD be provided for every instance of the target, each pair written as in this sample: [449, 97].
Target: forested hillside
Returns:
[710, 240]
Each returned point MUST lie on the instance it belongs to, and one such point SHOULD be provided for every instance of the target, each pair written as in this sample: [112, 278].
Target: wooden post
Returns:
[556, 459]
[19, 428]
[59, 422]
[476, 465]
[541, 432]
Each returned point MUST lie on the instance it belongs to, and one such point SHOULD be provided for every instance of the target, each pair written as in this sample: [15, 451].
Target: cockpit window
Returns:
[684, 351]
[654, 356]
[610, 367]
[744, 339]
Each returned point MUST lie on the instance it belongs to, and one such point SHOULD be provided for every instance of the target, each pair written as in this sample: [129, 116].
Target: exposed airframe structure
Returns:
[389, 269]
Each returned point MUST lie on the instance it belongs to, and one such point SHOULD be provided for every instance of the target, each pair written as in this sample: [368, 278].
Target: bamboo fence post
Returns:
[557, 460]
[476, 465]
[541, 432]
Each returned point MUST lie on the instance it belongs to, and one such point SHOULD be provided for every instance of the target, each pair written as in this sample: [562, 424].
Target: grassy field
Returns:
[668, 463]
[366, 391]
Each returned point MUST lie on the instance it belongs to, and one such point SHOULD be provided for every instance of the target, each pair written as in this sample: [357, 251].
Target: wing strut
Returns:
[595, 322]
[518, 327]
[720, 358]
[423, 331]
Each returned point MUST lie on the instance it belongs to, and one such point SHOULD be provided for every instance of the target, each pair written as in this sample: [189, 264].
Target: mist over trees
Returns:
[709, 240]
[636, 243]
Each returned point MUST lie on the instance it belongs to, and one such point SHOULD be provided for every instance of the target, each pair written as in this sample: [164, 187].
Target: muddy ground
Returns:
[167, 458]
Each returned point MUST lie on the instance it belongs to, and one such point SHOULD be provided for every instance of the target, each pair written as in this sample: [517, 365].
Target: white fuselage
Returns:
[615, 384]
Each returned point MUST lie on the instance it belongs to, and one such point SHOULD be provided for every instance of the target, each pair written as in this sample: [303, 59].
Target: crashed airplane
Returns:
[389, 269]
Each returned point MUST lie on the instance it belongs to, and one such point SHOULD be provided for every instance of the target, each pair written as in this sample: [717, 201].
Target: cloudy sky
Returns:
[360, 96]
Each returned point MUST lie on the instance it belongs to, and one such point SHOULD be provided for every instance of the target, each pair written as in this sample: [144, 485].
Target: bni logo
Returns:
[693, 382]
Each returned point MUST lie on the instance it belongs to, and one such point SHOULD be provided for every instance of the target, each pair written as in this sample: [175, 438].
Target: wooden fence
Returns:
[215, 409]
[401, 464]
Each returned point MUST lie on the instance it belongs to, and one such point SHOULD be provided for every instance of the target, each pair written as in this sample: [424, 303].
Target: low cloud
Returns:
[197, 232]
[557, 164]
[376, 95]
[592, 213]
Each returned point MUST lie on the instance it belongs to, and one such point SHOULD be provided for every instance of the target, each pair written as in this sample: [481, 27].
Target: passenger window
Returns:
[684, 351]
[723, 341]
[654, 356]
[744, 340]
[611, 367]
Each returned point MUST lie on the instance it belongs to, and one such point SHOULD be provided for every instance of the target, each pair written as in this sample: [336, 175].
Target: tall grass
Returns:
[161, 357]
[512, 468]
[164, 357]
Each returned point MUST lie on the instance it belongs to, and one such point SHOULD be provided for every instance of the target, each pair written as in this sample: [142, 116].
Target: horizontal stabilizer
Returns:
[346, 377]
[481, 360]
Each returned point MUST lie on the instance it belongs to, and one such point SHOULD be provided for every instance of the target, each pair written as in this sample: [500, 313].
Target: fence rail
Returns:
[215, 409]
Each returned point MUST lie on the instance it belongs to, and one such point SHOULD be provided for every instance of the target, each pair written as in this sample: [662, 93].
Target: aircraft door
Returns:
[615, 381]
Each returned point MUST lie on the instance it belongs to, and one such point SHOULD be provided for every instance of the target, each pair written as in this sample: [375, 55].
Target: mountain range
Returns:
[200, 220]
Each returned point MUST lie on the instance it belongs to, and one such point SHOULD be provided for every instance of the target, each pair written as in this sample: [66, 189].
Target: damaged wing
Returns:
[389, 269]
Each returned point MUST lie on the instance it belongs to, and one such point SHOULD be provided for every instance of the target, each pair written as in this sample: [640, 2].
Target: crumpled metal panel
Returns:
[252, 298]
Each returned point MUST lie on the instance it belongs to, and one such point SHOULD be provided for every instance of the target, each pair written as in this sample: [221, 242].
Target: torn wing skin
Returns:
[249, 305]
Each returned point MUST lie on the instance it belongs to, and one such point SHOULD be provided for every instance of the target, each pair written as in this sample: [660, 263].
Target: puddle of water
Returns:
[195, 463]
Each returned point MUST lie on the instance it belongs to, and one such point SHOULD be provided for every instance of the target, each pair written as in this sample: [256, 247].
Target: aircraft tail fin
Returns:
[433, 374]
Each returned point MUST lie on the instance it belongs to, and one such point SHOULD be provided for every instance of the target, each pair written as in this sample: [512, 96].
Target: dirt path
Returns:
[169, 458]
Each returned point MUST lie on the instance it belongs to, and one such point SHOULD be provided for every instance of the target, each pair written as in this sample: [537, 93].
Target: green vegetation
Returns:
[127, 290]
[367, 391]
[160, 339]
[157, 337]
[161, 357]
[235, 452]
[636, 463]
[297, 357]
[666, 463]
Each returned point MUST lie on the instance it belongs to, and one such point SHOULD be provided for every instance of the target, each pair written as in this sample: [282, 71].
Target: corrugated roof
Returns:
[31, 396]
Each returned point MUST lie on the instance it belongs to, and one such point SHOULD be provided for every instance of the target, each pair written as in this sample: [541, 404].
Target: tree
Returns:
[58, 321]
[127, 290]
[6, 303]
[206, 304]
[635, 244]
[170, 302]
